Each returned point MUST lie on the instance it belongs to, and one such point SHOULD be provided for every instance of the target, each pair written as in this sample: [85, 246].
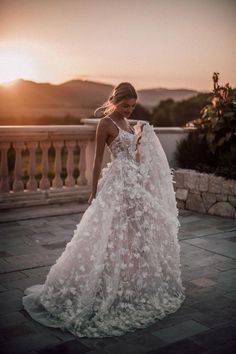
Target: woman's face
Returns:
[126, 107]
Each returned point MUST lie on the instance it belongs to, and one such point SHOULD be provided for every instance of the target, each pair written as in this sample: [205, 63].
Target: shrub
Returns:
[212, 148]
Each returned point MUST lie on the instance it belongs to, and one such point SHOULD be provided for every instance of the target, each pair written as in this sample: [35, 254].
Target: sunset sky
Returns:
[151, 43]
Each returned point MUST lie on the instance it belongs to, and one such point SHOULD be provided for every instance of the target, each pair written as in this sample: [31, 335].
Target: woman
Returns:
[121, 270]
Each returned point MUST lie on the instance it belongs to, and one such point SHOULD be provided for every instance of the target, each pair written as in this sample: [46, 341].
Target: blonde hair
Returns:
[122, 91]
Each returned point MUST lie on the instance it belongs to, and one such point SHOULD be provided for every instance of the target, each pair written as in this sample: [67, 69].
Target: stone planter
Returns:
[205, 193]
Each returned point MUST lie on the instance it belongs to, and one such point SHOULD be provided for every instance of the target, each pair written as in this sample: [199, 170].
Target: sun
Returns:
[17, 62]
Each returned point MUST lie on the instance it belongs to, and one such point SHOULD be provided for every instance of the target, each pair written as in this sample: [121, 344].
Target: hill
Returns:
[24, 100]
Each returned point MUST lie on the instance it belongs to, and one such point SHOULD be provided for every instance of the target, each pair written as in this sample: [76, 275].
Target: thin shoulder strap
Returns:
[114, 122]
[129, 125]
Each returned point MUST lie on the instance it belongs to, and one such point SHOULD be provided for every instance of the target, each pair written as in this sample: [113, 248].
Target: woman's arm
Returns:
[100, 141]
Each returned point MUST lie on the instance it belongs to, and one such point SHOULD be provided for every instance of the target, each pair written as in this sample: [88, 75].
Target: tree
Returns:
[162, 115]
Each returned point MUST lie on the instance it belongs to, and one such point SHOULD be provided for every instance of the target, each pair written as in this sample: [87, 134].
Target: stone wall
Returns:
[205, 193]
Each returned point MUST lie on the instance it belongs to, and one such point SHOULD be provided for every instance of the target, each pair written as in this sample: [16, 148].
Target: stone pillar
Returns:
[69, 181]
[44, 182]
[57, 181]
[4, 181]
[18, 185]
[32, 183]
[82, 180]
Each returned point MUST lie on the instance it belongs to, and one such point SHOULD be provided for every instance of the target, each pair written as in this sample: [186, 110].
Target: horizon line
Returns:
[12, 82]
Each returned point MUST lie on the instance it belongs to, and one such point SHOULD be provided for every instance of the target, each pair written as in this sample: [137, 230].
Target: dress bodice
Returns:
[124, 144]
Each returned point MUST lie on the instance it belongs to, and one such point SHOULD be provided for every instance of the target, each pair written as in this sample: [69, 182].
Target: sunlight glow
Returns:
[18, 61]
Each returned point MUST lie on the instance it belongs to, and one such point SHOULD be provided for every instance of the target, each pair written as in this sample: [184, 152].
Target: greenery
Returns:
[141, 113]
[212, 147]
[172, 114]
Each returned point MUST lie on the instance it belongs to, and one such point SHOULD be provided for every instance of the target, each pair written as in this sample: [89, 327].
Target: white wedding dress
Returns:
[121, 270]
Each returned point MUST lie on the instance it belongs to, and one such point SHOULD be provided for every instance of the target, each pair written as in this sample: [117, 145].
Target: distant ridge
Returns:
[78, 98]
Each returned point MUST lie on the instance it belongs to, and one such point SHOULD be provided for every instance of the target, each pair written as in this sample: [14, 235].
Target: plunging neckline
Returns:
[119, 130]
[120, 127]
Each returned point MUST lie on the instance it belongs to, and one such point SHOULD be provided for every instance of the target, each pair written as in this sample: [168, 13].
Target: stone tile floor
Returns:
[206, 322]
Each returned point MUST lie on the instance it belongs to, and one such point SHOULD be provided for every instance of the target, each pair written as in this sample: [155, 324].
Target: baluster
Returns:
[18, 184]
[69, 181]
[4, 182]
[57, 181]
[82, 180]
[44, 182]
[32, 183]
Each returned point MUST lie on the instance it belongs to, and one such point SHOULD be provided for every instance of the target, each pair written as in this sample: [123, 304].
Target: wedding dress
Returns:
[121, 271]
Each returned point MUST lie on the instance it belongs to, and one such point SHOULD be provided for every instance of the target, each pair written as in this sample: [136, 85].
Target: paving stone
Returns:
[231, 295]
[197, 294]
[99, 351]
[18, 263]
[70, 347]
[33, 222]
[196, 231]
[191, 218]
[228, 348]
[203, 282]
[190, 273]
[7, 277]
[43, 236]
[14, 231]
[215, 337]
[216, 303]
[185, 346]
[10, 243]
[99, 343]
[201, 258]
[10, 319]
[2, 288]
[22, 284]
[17, 330]
[55, 245]
[4, 254]
[22, 345]
[227, 265]
[227, 279]
[20, 249]
[213, 319]
[216, 244]
[125, 348]
[209, 279]
[231, 226]
[10, 295]
[36, 271]
[180, 331]
[10, 301]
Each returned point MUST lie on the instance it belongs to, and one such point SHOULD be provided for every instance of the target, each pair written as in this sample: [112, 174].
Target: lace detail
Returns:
[121, 270]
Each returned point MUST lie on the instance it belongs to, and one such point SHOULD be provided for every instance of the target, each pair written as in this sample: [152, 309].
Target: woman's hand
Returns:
[91, 198]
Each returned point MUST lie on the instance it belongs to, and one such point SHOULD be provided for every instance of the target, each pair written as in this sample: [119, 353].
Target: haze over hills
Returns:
[77, 98]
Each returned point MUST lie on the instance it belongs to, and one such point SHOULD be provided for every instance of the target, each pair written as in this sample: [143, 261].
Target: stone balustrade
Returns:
[37, 165]
[37, 140]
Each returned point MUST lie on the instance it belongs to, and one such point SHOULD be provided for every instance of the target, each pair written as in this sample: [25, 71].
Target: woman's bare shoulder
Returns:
[106, 119]
[105, 122]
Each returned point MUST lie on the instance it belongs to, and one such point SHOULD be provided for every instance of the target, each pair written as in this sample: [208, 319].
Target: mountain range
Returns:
[77, 98]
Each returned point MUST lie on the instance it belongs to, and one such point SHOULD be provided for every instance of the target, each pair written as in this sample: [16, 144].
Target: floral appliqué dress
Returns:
[121, 270]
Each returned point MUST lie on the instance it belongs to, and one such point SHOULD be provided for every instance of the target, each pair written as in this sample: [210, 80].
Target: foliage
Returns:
[163, 114]
[171, 114]
[218, 120]
[193, 153]
[141, 113]
[212, 148]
